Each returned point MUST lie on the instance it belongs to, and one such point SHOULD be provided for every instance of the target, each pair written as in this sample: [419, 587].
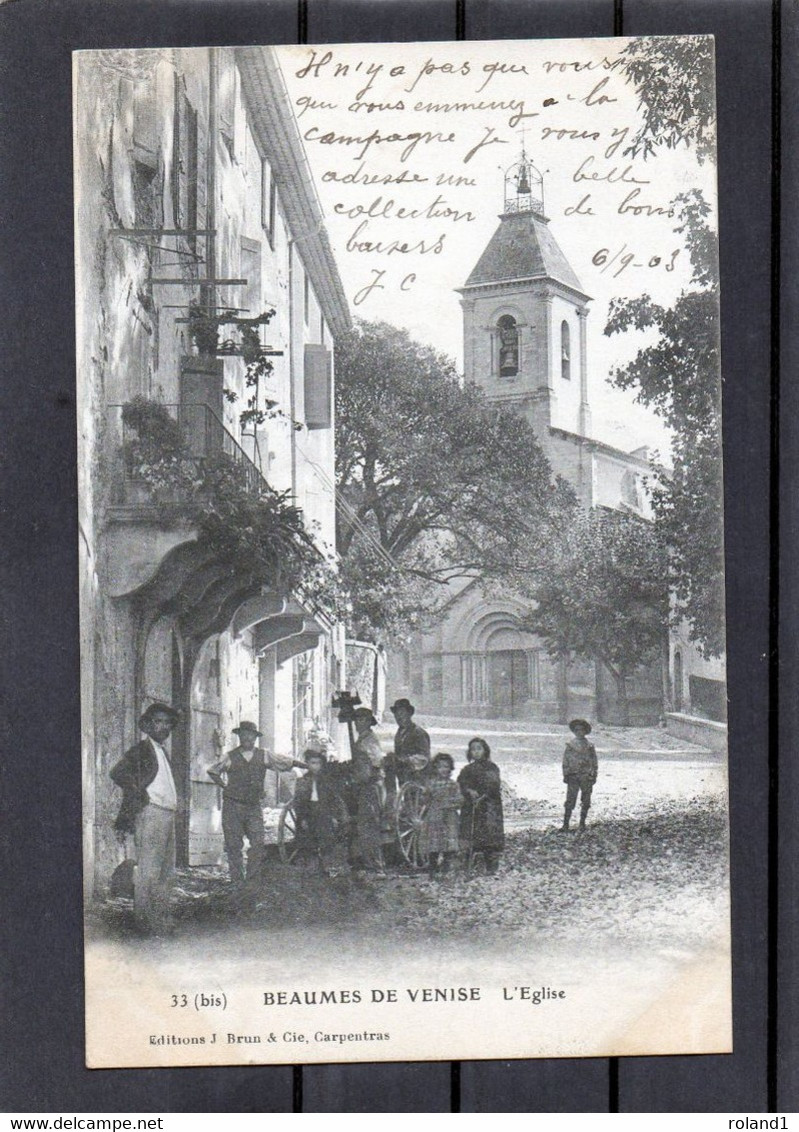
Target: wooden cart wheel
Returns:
[287, 833]
[411, 806]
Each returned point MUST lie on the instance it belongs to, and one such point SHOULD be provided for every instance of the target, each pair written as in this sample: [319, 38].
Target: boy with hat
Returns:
[579, 771]
[321, 811]
[149, 802]
[241, 775]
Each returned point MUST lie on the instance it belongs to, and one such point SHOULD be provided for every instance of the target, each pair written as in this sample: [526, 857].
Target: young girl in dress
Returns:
[439, 833]
[482, 824]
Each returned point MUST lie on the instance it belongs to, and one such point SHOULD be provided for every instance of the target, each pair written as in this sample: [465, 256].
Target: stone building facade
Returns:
[524, 320]
[192, 187]
[698, 683]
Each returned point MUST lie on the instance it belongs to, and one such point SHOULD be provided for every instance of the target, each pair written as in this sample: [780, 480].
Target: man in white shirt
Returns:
[149, 802]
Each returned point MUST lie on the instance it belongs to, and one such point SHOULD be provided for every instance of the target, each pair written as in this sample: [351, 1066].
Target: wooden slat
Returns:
[787, 1033]
[387, 21]
[738, 1082]
[538, 19]
[549, 1085]
[41, 880]
[555, 1085]
[386, 1087]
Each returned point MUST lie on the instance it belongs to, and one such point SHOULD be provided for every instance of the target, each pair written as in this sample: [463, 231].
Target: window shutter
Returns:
[226, 98]
[145, 123]
[318, 387]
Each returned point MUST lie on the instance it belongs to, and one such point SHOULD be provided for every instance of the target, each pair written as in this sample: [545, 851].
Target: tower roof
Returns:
[523, 247]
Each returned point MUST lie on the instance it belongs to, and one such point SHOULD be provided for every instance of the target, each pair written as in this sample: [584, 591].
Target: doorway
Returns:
[206, 843]
[509, 682]
[678, 681]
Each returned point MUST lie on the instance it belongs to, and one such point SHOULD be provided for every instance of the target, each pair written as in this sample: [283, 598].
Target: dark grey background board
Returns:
[377, 1088]
[555, 1085]
[538, 19]
[417, 1087]
[744, 76]
[786, 706]
[41, 930]
[43, 1058]
[388, 21]
[549, 1085]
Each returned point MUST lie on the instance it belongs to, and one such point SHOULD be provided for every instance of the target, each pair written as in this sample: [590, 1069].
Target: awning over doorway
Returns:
[291, 630]
[261, 608]
[300, 642]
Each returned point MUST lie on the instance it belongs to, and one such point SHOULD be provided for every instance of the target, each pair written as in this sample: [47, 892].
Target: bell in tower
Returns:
[524, 187]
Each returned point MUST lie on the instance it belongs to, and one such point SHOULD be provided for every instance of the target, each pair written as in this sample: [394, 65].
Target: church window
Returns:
[631, 490]
[508, 346]
[565, 351]
[473, 679]
[534, 673]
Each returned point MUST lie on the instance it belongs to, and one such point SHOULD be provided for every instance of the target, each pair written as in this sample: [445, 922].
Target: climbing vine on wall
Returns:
[243, 520]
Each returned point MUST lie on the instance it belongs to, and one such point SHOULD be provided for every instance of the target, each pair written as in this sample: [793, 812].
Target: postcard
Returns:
[401, 548]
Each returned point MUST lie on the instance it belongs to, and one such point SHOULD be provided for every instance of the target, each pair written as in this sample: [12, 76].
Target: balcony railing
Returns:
[204, 436]
[523, 204]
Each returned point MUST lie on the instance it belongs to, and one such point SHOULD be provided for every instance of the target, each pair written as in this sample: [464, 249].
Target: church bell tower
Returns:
[524, 315]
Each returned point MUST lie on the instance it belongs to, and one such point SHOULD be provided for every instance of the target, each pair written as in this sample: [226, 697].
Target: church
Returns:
[524, 325]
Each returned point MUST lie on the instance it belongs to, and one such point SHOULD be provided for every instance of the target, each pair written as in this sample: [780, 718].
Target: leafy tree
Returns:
[678, 377]
[674, 82]
[435, 484]
[602, 594]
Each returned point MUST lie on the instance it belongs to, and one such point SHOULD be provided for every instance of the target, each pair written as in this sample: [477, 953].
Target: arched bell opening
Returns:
[507, 337]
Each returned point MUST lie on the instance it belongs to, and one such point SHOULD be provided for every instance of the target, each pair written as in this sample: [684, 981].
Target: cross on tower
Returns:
[522, 131]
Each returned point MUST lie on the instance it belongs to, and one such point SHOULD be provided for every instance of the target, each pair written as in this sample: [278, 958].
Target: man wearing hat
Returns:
[149, 802]
[579, 771]
[411, 744]
[241, 775]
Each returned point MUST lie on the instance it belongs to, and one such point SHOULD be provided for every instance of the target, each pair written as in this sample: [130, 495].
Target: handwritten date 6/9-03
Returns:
[605, 259]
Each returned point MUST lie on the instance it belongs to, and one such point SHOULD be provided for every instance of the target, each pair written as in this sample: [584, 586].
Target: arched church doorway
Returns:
[509, 690]
[508, 681]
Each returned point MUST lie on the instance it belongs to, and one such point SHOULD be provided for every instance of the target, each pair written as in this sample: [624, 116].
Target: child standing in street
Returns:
[579, 771]
[321, 813]
[482, 824]
[439, 833]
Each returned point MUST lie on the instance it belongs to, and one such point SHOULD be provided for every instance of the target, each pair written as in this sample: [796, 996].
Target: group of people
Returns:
[360, 799]
[338, 806]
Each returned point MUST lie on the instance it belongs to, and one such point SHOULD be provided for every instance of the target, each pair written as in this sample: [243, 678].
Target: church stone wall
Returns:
[566, 410]
[462, 667]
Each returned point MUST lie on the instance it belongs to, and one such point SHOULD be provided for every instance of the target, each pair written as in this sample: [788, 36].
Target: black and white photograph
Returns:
[402, 604]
